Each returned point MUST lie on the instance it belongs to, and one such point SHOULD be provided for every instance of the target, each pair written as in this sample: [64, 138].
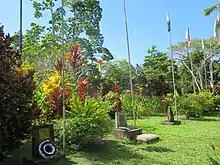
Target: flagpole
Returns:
[211, 72]
[63, 72]
[173, 75]
[129, 61]
[203, 47]
[190, 56]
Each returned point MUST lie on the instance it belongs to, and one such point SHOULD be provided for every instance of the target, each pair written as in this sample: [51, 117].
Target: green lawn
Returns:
[189, 143]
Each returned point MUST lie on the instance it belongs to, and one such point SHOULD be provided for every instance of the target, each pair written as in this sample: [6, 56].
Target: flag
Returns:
[168, 24]
[203, 46]
[217, 28]
[188, 38]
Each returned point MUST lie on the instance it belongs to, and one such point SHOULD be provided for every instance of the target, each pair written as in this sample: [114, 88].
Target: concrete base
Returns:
[129, 133]
[148, 138]
[176, 122]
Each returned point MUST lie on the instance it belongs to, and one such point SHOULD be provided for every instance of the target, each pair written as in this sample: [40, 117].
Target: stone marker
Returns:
[120, 119]
[122, 130]
[147, 138]
[170, 115]
[170, 120]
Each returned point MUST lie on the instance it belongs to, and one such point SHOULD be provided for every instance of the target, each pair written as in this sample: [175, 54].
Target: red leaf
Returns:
[59, 65]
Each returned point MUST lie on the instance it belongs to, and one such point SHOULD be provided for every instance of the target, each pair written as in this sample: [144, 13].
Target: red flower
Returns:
[56, 99]
[59, 65]
[117, 89]
[19, 74]
[75, 57]
[83, 84]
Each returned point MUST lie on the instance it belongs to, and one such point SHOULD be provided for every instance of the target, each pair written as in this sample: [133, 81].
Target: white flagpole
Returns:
[63, 71]
[129, 61]
[173, 76]
[203, 48]
[190, 56]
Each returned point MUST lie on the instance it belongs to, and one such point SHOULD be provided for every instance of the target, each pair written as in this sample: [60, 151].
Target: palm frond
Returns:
[211, 9]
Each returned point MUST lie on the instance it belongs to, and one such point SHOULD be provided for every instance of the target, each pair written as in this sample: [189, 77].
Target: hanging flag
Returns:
[203, 46]
[217, 28]
[188, 38]
[168, 24]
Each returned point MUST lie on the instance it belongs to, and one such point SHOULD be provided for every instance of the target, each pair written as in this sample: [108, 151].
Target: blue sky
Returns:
[146, 23]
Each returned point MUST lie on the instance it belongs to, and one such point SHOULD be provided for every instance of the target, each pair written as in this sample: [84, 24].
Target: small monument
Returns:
[122, 130]
[43, 146]
[170, 115]
[170, 120]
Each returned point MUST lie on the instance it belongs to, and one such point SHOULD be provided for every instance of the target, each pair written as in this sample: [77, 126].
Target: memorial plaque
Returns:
[120, 119]
[40, 134]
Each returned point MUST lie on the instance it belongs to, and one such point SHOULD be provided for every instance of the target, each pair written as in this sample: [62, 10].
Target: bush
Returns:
[154, 105]
[216, 102]
[195, 104]
[16, 88]
[127, 106]
[143, 106]
[88, 120]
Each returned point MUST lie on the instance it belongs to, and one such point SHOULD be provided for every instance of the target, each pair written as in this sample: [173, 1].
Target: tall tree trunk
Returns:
[211, 74]
[194, 77]
[200, 78]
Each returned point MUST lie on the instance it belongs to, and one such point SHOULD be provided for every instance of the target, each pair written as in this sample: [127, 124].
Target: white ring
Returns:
[49, 144]
[43, 152]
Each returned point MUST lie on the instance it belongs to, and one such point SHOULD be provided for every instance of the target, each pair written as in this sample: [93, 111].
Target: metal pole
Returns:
[191, 66]
[174, 85]
[129, 61]
[63, 71]
[211, 71]
[20, 37]
[206, 85]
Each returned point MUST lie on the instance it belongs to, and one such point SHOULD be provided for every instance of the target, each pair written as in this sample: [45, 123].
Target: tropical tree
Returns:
[81, 25]
[211, 9]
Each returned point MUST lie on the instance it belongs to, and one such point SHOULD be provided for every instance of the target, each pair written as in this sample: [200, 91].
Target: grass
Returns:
[187, 144]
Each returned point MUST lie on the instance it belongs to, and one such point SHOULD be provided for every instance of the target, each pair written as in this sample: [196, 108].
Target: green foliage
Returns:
[16, 90]
[143, 106]
[117, 71]
[154, 105]
[211, 9]
[127, 106]
[85, 121]
[194, 104]
[157, 69]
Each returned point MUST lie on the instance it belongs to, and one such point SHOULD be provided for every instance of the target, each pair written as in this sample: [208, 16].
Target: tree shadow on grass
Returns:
[213, 161]
[156, 149]
[207, 119]
[110, 150]
[64, 161]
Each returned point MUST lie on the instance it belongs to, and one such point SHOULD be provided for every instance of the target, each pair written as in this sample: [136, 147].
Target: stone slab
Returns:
[127, 133]
[171, 122]
[147, 138]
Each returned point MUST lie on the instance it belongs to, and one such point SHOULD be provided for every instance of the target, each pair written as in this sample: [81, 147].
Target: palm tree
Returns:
[211, 9]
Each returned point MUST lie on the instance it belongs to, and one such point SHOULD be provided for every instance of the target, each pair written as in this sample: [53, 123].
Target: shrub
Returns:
[216, 102]
[16, 90]
[143, 106]
[127, 106]
[154, 105]
[87, 120]
[195, 104]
